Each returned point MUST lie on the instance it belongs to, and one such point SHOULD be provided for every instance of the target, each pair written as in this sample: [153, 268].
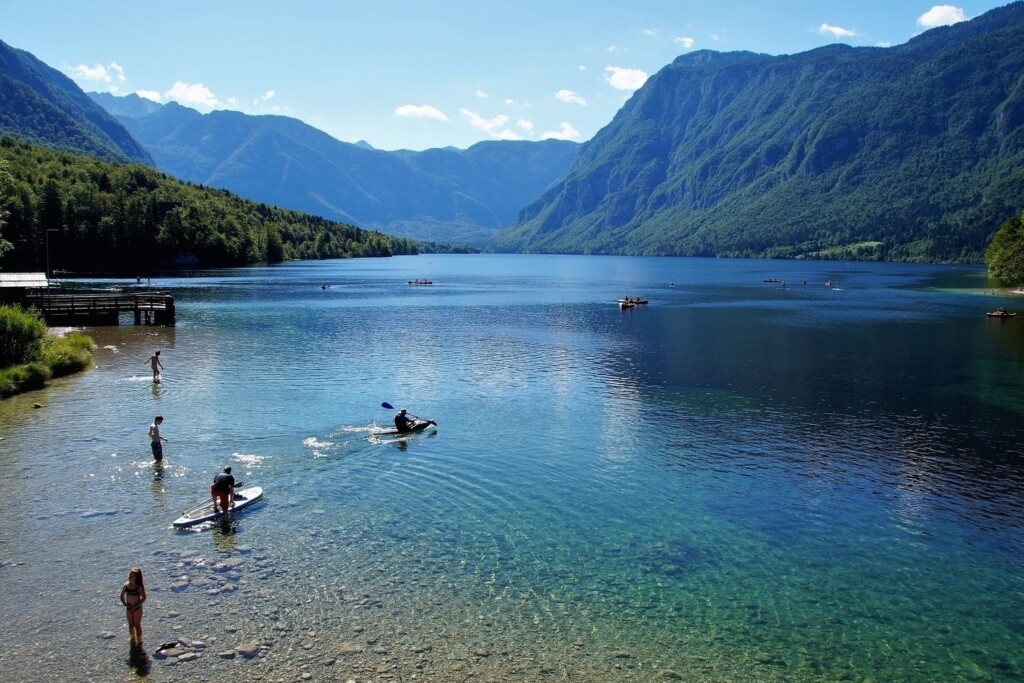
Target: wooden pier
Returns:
[102, 308]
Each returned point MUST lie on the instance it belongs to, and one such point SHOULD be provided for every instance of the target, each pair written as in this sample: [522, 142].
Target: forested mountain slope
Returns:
[448, 195]
[912, 152]
[43, 106]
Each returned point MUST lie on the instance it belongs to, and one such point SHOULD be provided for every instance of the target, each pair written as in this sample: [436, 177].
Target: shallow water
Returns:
[736, 482]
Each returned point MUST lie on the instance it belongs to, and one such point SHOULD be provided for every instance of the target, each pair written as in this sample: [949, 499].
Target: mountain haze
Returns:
[447, 195]
[910, 152]
[43, 106]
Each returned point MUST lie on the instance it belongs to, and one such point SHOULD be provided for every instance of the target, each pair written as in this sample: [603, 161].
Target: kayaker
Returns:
[223, 489]
[402, 422]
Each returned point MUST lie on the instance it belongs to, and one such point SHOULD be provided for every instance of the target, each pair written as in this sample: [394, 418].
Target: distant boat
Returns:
[1001, 313]
[626, 304]
[421, 282]
[633, 301]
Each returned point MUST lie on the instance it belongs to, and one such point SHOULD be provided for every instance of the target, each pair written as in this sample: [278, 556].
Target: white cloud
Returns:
[482, 95]
[569, 97]
[653, 33]
[566, 132]
[582, 67]
[523, 124]
[686, 41]
[835, 31]
[941, 15]
[149, 95]
[624, 79]
[492, 126]
[116, 68]
[495, 127]
[421, 112]
[506, 134]
[509, 101]
[96, 73]
[715, 37]
[262, 101]
[192, 94]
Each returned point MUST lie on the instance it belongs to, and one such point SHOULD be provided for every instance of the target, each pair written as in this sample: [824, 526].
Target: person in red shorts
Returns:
[223, 489]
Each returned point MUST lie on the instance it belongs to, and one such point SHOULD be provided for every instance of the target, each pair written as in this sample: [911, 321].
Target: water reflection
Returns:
[157, 484]
[139, 661]
[223, 534]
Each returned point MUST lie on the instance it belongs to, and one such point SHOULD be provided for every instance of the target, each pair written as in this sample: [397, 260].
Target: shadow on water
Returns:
[139, 661]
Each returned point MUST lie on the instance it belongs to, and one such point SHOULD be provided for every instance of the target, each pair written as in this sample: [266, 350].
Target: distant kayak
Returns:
[1000, 314]
[203, 512]
[417, 426]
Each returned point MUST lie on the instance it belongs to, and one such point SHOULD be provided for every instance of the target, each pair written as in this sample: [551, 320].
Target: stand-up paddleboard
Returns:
[203, 512]
[417, 426]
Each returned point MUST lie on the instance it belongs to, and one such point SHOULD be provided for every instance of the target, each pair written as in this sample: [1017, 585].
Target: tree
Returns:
[6, 181]
[1005, 255]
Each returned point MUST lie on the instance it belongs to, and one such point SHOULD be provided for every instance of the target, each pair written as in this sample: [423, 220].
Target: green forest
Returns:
[62, 212]
[1005, 255]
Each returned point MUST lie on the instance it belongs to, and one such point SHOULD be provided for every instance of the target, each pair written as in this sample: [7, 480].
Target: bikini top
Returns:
[131, 591]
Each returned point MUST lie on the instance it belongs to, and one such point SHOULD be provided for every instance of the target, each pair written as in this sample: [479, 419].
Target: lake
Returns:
[738, 481]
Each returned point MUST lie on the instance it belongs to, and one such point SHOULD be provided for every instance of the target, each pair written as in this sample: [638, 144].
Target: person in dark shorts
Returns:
[223, 490]
[155, 438]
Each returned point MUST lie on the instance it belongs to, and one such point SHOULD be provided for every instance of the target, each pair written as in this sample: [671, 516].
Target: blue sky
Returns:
[420, 74]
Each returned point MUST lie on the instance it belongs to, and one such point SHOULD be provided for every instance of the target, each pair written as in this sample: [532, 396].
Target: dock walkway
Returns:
[103, 308]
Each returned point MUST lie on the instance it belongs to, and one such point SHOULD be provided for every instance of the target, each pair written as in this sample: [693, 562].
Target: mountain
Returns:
[45, 107]
[914, 152]
[444, 195]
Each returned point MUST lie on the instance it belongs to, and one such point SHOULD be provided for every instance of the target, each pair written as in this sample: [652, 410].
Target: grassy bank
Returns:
[30, 357]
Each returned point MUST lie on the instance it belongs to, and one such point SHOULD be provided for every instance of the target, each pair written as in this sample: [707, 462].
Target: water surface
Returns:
[739, 481]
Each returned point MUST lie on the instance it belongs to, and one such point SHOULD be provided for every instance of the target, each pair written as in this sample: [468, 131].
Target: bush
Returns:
[21, 335]
[25, 377]
[67, 354]
[29, 357]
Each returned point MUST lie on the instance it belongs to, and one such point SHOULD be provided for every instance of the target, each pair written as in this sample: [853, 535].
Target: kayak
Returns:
[203, 512]
[417, 426]
[1000, 314]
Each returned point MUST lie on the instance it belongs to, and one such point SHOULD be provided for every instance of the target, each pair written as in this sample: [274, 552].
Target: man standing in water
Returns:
[156, 439]
[154, 362]
[223, 490]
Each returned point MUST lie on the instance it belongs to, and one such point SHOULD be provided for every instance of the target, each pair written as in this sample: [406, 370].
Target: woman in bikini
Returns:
[133, 594]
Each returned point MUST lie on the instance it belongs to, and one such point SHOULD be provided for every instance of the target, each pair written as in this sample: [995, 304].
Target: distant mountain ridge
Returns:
[43, 106]
[441, 195]
[910, 152]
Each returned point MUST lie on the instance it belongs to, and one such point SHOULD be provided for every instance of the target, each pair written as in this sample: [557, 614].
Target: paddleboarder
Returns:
[223, 490]
[156, 439]
[133, 594]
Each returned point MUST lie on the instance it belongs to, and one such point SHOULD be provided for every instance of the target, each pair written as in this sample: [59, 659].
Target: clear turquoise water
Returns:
[735, 482]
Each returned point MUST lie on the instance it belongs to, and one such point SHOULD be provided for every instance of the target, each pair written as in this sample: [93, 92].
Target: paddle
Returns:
[387, 405]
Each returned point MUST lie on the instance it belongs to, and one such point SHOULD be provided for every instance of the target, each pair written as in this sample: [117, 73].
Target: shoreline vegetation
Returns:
[31, 355]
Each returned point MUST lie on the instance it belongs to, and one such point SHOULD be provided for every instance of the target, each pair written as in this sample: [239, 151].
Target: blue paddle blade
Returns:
[387, 405]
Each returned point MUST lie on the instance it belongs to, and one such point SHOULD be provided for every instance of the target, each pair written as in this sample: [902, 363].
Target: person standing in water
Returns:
[154, 362]
[223, 490]
[133, 594]
[155, 438]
